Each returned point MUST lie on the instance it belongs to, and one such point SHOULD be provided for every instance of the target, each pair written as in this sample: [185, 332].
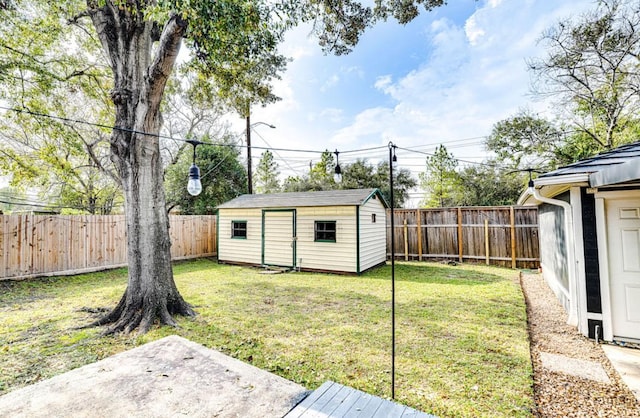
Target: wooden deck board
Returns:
[335, 400]
[348, 403]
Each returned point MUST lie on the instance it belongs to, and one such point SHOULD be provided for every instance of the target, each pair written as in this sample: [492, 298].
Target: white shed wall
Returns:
[337, 256]
[373, 236]
[240, 250]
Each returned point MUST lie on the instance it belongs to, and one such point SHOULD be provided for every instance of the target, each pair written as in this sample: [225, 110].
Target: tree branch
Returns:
[165, 58]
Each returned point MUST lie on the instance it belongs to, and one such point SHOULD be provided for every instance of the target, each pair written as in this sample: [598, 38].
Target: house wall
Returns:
[553, 248]
[372, 235]
[240, 250]
[336, 256]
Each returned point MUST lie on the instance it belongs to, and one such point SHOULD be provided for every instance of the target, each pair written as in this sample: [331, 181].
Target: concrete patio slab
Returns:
[171, 377]
[575, 367]
[626, 361]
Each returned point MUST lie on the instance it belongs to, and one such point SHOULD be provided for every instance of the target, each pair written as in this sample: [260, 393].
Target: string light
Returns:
[337, 176]
[194, 186]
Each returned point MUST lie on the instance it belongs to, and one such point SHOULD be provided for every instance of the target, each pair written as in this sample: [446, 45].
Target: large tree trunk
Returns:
[139, 83]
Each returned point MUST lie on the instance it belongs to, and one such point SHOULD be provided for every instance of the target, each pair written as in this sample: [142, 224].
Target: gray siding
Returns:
[553, 248]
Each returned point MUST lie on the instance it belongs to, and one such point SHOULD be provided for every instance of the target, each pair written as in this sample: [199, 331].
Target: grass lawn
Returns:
[462, 346]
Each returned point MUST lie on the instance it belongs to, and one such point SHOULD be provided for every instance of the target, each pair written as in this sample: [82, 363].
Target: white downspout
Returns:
[571, 250]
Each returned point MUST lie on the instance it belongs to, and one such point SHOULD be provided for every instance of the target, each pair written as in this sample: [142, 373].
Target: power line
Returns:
[269, 147]
[275, 152]
[454, 158]
[28, 204]
[157, 135]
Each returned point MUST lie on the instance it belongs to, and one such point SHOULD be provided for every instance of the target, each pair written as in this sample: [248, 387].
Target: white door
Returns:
[623, 235]
[278, 237]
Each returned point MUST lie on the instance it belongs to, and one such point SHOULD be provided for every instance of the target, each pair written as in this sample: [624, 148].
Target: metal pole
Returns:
[249, 177]
[393, 278]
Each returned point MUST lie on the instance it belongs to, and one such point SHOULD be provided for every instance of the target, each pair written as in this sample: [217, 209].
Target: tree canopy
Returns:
[592, 70]
[591, 73]
[267, 174]
[440, 179]
[357, 175]
[489, 185]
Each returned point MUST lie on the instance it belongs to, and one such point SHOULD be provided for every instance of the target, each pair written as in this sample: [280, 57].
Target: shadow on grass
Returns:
[429, 273]
[31, 290]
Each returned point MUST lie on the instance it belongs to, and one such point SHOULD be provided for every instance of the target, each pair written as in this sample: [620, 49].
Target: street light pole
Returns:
[249, 176]
[249, 172]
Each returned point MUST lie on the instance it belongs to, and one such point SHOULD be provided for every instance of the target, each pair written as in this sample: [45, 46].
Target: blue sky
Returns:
[445, 78]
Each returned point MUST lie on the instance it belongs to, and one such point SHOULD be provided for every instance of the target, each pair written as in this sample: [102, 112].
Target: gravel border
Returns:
[563, 395]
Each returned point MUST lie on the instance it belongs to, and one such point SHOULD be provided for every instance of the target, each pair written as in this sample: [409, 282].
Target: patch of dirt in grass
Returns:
[561, 395]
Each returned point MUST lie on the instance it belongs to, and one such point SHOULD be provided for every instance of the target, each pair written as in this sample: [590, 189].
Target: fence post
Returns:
[419, 226]
[460, 235]
[512, 215]
[486, 240]
[406, 240]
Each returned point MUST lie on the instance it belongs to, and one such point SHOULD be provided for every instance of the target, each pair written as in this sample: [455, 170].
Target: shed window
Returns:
[239, 229]
[325, 231]
[373, 218]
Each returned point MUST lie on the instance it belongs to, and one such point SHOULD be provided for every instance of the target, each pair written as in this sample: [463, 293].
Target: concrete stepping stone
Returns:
[575, 367]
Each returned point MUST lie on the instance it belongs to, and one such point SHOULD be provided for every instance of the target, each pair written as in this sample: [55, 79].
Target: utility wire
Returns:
[270, 148]
[41, 205]
[133, 131]
[430, 154]
[286, 162]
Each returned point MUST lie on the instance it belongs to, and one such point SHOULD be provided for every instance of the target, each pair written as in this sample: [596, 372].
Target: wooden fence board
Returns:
[460, 234]
[35, 245]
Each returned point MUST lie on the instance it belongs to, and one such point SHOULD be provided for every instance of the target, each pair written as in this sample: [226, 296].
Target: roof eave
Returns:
[565, 179]
[377, 192]
[621, 173]
[553, 186]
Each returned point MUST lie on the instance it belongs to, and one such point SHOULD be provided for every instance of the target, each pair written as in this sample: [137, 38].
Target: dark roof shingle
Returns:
[599, 162]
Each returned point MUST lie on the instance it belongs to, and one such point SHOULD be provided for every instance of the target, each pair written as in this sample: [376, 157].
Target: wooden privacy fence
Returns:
[39, 245]
[504, 236]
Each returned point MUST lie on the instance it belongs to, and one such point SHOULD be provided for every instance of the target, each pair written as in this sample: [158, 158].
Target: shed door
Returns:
[623, 223]
[279, 237]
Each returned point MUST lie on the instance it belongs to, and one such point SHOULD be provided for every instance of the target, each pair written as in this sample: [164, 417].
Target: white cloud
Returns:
[330, 82]
[473, 31]
[299, 43]
[475, 76]
[334, 115]
[464, 77]
[383, 82]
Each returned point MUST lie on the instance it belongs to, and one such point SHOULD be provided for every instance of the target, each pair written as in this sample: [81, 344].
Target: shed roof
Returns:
[354, 197]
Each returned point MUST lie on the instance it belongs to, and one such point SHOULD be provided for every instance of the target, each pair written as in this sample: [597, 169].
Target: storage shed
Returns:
[589, 228]
[339, 230]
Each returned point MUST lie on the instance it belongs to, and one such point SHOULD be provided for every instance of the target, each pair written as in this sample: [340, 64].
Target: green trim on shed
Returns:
[218, 235]
[293, 228]
[376, 192]
[233, 224]
[358, 239]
